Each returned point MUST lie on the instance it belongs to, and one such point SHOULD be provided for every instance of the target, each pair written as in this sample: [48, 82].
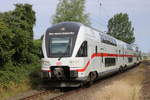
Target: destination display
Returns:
[62, 33]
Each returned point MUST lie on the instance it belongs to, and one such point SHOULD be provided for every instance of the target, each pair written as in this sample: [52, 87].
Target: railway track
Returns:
[35, 96]
[39, 95]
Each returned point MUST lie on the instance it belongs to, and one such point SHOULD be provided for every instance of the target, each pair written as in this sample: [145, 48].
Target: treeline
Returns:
[19, 52]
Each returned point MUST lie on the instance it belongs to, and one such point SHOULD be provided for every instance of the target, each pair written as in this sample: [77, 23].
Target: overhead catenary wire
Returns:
[99, 20]
[103, 9]
[105, 12]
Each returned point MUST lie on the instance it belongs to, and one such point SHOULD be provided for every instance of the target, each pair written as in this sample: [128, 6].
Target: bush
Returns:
[17, 74]
[6, 50]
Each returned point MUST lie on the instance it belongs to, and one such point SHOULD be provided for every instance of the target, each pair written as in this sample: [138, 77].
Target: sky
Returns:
[138, 11]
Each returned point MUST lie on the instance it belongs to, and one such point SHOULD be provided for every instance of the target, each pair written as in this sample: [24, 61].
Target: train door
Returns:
[123, 57]
[83, 52]
[120, 60]
[96, 58]
[101, 51]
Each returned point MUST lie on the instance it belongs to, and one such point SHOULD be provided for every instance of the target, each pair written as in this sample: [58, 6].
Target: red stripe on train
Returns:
[98, 55]
[110, 55]
[103, 55]
[82, 70]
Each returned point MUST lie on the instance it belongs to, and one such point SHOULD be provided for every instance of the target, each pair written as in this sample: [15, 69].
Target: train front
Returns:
[58, 45]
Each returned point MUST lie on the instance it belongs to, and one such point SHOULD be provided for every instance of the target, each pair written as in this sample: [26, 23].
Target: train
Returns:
[75, 54]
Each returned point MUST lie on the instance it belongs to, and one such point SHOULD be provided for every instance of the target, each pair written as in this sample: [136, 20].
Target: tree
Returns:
[6, 50]
[71, 10]
[21, 21]
[25, 20]
[121, 28]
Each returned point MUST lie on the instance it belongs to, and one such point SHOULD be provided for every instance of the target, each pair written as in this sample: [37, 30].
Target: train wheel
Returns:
[125, 68]
[92, 76]
[121, 69]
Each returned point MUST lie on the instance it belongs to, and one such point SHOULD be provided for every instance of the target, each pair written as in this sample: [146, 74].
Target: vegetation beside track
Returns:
[19, 52]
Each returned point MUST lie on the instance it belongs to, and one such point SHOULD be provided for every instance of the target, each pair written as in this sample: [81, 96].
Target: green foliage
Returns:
[19, 53]
[121, 28]
[71, 10]
[6, 50]
[21, 22]
[18, 74]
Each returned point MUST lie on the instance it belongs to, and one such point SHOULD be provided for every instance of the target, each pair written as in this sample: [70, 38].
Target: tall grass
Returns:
[15, 79]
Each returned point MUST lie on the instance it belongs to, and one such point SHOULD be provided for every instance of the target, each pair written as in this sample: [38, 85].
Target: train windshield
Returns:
[60, 39]
[60, 46]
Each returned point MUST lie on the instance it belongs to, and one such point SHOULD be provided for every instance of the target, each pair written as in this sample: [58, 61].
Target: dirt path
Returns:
[125, 86]
[146, 83]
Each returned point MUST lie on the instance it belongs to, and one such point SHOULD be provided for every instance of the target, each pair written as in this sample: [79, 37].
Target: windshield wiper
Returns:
[65, 52]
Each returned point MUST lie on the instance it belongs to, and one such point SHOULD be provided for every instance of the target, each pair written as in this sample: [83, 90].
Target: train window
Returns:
[42, 54]
[119, 51]
[130, 59]
[108, 40]
[129, 47]
[137, 58]
[60, 45]
[83, 50]
[110, 62]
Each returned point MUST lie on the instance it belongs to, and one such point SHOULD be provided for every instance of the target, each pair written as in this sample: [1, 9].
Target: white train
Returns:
[75, 54]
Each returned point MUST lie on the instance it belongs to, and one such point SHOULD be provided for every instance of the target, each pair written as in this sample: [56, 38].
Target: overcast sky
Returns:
[138, 10]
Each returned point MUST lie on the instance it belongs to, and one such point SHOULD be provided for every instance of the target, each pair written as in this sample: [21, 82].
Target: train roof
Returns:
[63, 27]
[70, 25]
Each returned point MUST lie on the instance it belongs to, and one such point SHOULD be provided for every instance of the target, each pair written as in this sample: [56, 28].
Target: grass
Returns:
[14, 89]
[14, 80]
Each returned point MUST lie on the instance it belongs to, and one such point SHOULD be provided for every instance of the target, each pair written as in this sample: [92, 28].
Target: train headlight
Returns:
[46, 63]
